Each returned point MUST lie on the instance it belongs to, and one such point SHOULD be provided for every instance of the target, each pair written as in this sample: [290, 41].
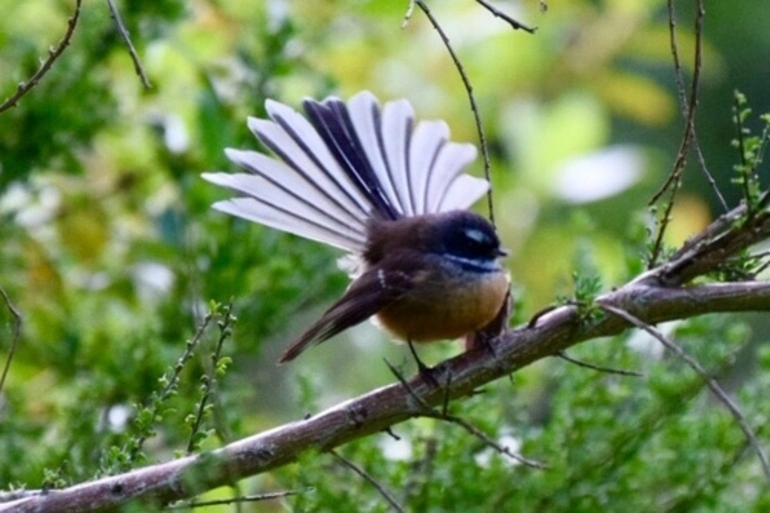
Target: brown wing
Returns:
[369, 294]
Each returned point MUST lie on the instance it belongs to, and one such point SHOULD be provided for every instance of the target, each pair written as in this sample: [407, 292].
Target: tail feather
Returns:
[292, 138]
[332, 120]
[276, 217]
[271, 204]
[366, 118]
[270, 177]
[463, 192]
[397, 123]
[447, 174]
[428, 142]
[344, 164]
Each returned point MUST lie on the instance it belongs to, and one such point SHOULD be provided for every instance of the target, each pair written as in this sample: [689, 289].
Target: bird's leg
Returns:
[424, 371]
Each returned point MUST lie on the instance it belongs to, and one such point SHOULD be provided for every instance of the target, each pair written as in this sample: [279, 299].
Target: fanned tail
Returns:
[346, 163]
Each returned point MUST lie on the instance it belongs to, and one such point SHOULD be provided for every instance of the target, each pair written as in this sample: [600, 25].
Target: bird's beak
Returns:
[502, 252]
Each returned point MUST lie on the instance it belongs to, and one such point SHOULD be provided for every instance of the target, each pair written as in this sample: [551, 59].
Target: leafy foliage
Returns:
[111, 253]
[654, 443]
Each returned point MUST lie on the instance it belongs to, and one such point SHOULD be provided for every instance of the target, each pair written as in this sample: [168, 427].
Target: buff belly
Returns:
[458, 307]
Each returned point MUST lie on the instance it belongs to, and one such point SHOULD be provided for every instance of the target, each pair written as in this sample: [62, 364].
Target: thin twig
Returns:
[609, 370]
[172, 382]
[426, 411]
[679, 78]
[674, 179]
[389, 431]
[517, 25]
[53, 54]
[237, 500]
[471, 98]
[210, 383]
[124, 34]
[688, 106]
[712, 383]
[473, 430]
[368, 478]
[14, 337]
[704, 167]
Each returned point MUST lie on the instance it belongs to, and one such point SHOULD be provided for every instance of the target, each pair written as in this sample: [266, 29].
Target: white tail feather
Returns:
[304, 190]
[309, 156]
[463, 192]
[397, 121]
[278, 178]
[447, 167]
[427, 142]
[366, 117]
[253, 210]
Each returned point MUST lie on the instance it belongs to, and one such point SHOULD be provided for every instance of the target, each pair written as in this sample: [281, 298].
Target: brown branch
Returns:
[652, 298]
[53, 54]
[124, 34]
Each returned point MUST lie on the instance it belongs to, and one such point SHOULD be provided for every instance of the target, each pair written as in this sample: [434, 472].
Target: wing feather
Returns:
[365, 297]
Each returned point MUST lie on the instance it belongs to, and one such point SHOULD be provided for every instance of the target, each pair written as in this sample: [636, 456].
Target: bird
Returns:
[392, 193]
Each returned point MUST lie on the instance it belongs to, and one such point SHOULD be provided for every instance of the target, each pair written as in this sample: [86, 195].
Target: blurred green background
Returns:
[112, 254]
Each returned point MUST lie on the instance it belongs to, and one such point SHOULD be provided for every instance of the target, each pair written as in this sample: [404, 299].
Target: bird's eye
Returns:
[468, 236]
[476, 235]
[473, 242]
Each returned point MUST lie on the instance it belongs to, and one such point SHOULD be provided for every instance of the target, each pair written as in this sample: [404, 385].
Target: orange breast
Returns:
[446, 308]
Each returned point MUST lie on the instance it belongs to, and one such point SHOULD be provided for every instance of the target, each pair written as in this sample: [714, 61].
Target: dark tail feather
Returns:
[332, 121]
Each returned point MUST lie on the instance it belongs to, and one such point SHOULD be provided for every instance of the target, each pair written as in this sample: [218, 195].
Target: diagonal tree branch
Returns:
[654, 297]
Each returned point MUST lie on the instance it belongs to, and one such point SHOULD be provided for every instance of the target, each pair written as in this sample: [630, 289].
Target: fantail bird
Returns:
[367, 180]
